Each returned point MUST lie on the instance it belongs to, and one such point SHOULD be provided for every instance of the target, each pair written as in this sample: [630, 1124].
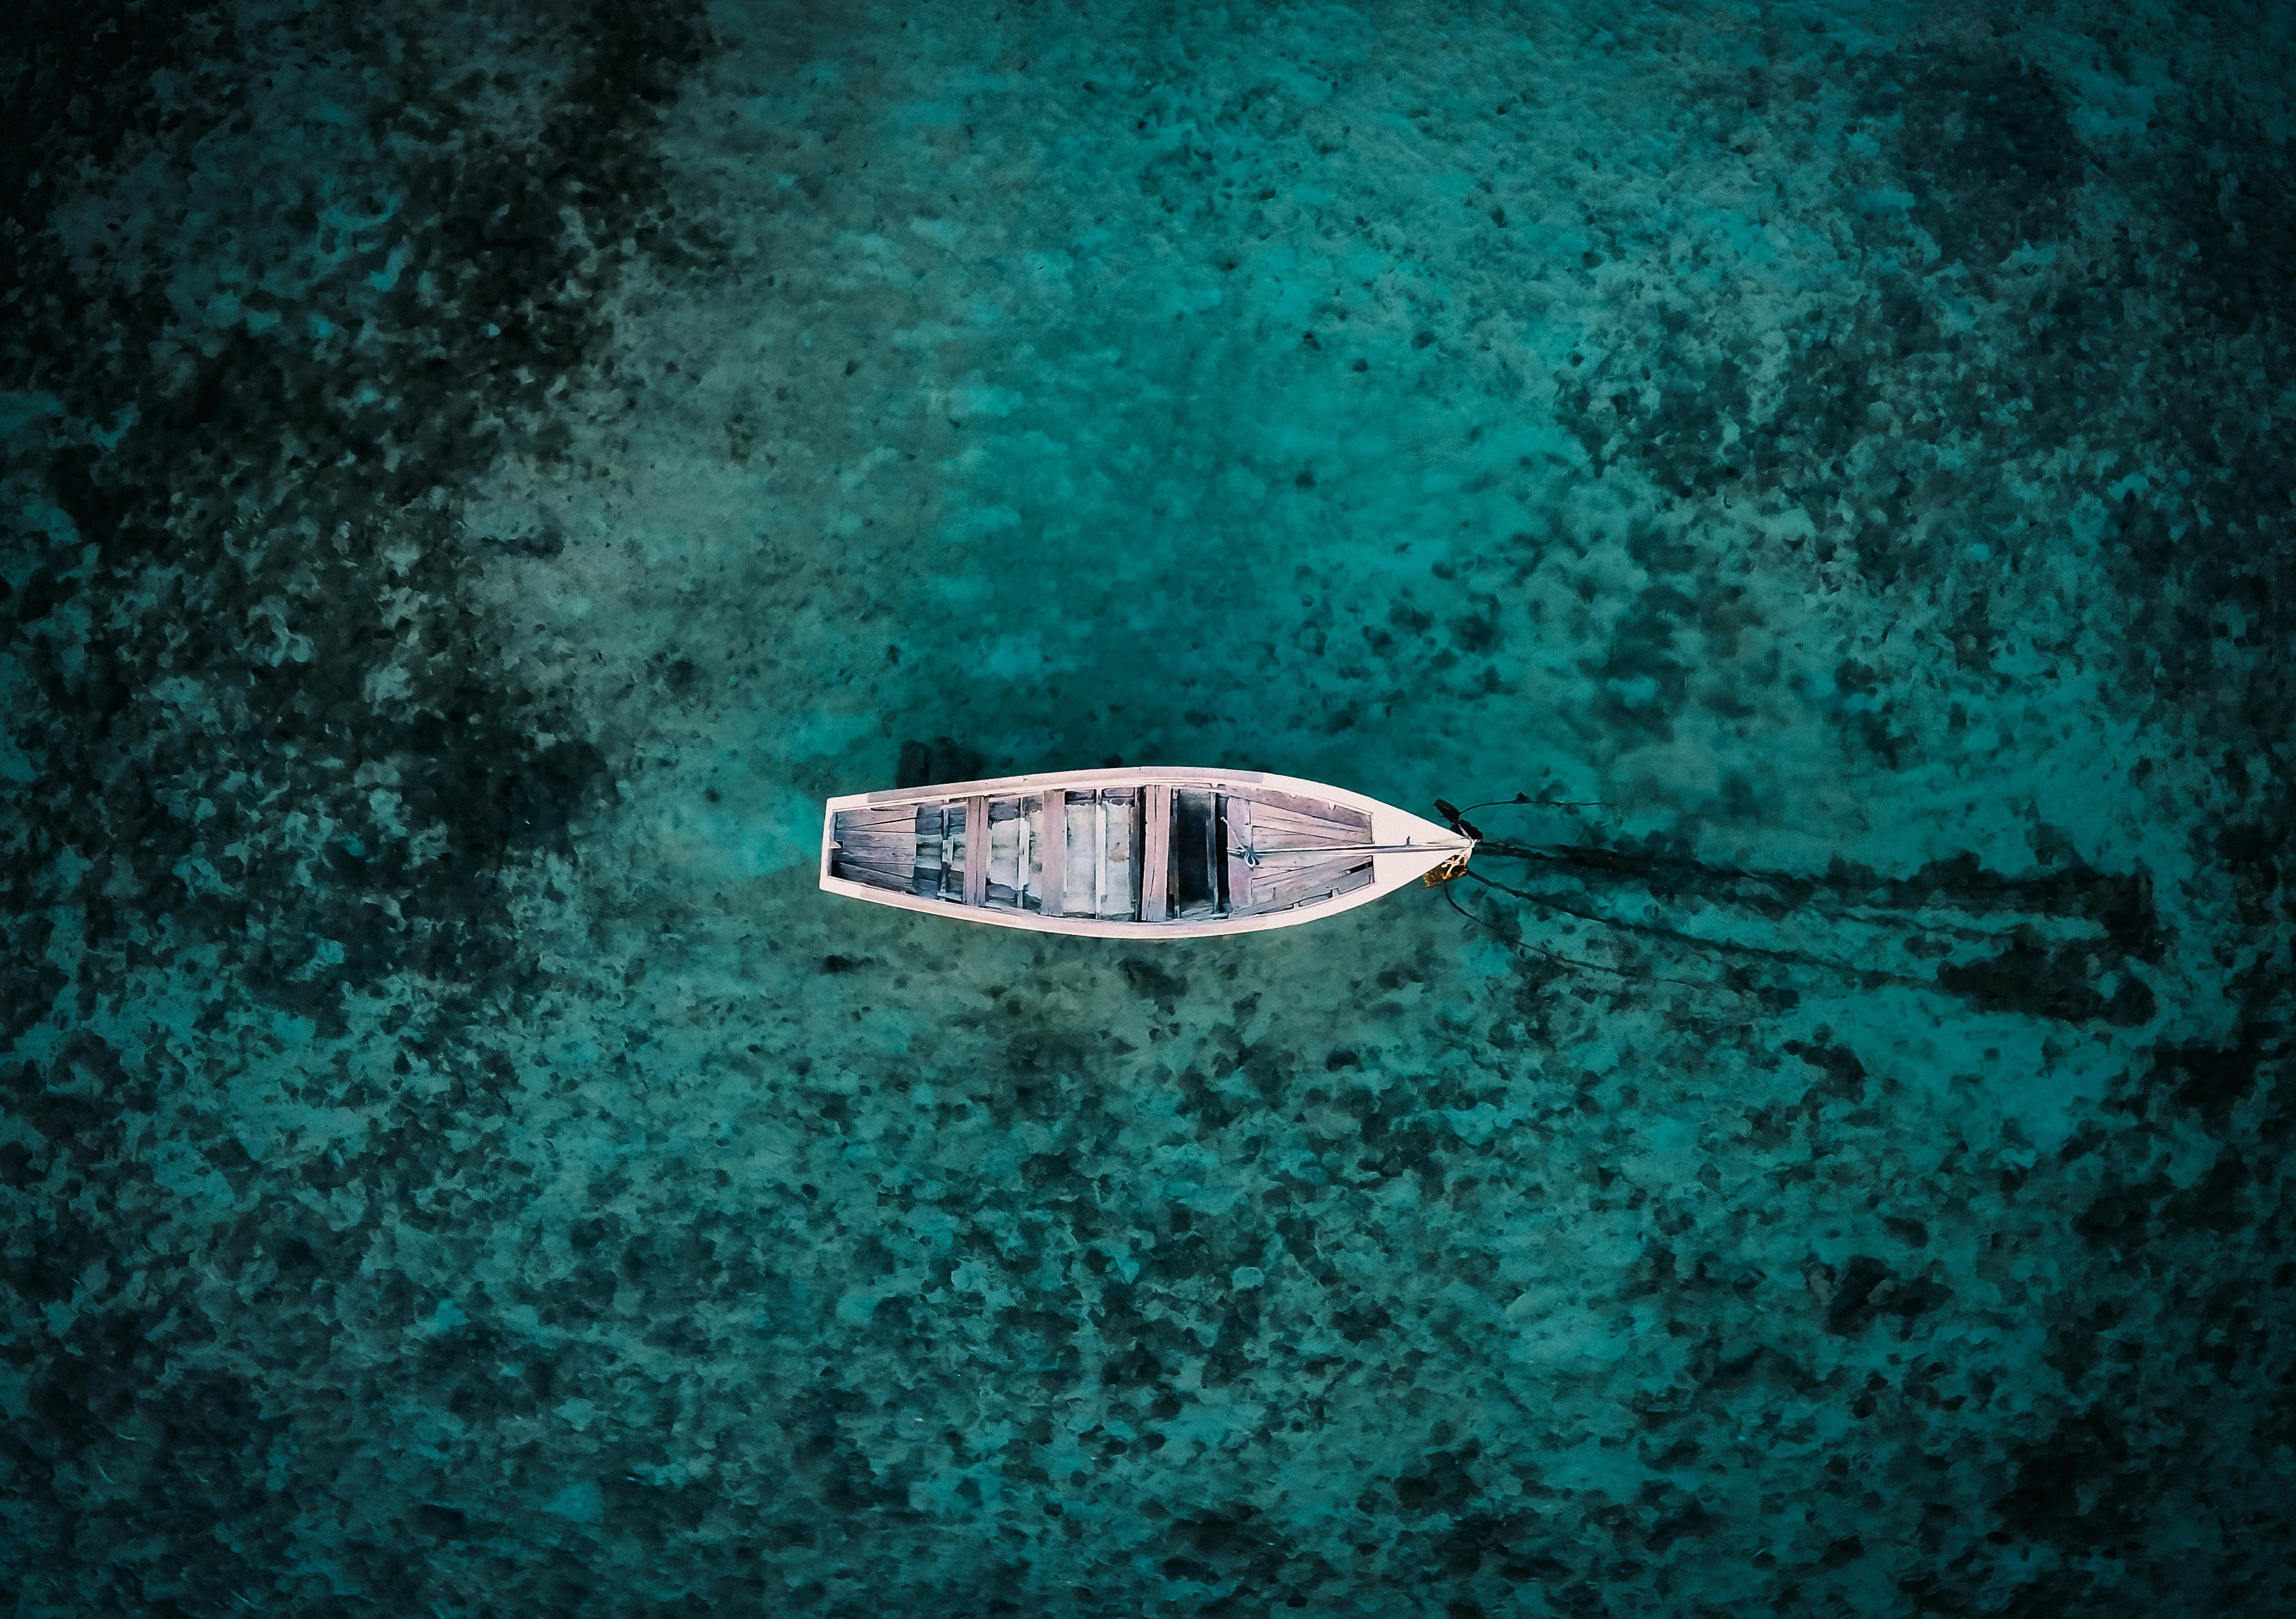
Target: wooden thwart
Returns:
[1055, 861]
[1156, 860]
[976, 851]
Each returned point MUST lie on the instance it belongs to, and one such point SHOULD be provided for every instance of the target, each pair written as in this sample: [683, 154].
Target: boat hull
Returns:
[1128, 853]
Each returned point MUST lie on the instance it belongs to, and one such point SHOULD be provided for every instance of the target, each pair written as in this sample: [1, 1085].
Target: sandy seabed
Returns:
[473, 487]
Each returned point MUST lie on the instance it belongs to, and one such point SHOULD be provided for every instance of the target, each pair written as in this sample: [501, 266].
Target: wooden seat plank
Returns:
[1052, 897]
[976, 851]
[1238, 812]
[1156, 858]
[1100, 837]
[1020, 861]
[1008, 853]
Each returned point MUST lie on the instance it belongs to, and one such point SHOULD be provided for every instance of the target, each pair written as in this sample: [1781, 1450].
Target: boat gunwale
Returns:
[1395, 864]
[1003, 787]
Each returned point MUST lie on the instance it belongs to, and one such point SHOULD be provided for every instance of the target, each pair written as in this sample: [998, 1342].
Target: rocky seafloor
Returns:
[475, 483]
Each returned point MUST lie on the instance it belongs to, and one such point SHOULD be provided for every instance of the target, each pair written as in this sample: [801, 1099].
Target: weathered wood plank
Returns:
[1310, 825]
[1007, 831]
[896, 863]
[902, 860]
[1295, 884]
[1072, 779]
[1270, 815]
[875, 876]
[1100, 836]
[1240, 833]
[1276, 843]
[1136, 824]
[898, 837]
[1020, 861]
[1322, 885]
[1116, 891]
[1318, 808]
[1053, 899]
[1156, 858]
[1085, 856]
[1282, 868]
[932, 832]
[894, 818]
[976, 851]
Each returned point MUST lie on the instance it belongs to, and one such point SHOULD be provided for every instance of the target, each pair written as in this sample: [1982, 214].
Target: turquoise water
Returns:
[473, 490]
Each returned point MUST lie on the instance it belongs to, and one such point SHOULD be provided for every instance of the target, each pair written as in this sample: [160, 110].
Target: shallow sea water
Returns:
[473, 489]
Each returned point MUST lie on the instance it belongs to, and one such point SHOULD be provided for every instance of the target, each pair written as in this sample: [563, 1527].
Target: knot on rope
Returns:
[1455, 866]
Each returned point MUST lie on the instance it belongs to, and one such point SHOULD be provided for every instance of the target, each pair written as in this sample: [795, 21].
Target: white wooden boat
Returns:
[1134, 853]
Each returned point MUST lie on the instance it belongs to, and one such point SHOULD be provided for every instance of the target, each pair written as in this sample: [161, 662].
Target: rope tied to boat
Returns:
[1455, 866]
[1456, 819]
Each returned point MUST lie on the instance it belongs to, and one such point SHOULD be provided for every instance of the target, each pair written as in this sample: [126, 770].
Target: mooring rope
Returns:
[1616, 863]
[1518, 942]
